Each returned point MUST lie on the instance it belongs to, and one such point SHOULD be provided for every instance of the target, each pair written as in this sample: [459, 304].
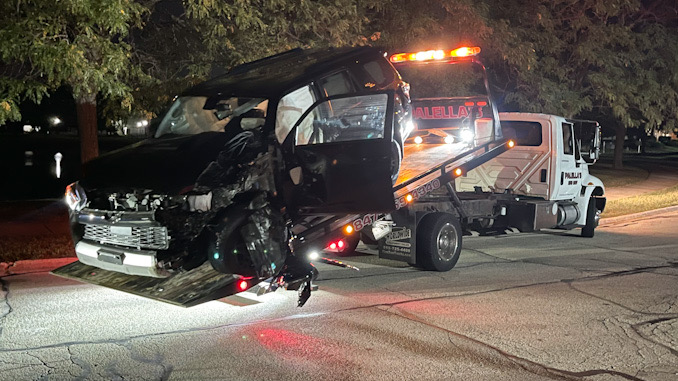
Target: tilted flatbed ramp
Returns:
[199, 285]
[419, 158]
[425, 167]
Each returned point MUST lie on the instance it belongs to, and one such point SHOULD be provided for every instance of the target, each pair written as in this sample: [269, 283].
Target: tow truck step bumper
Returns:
[191, 288]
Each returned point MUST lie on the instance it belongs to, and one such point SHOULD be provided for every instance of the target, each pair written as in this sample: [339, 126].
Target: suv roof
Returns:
[272, 76]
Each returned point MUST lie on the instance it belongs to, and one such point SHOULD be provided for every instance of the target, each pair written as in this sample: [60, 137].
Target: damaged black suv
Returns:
[238, 160]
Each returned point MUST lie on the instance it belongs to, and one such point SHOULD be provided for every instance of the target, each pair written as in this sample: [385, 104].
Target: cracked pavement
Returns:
[540, 306]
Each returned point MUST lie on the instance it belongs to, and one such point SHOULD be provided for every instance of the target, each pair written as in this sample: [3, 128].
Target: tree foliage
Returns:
[243, 30]
[80, 44]
[613, 60]
[604, 59]
[77, 43]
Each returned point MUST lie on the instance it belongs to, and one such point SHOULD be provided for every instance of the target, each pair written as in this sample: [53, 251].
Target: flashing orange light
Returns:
[435, 55]
[468, 104]
[511, 143]
[465, 51]
[482, 103]
[348, 229]
[418, 139]
[458, 172]
[409, 198]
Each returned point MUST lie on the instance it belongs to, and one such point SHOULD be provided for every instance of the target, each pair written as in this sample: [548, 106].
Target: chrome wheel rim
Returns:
[596, 218]
[447, 242]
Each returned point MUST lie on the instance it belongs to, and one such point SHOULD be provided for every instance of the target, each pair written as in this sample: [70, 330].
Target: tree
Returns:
[613, 60]
[76, 43]
[240, 31]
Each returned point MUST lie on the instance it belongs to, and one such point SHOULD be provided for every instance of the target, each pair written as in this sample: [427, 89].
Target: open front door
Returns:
[344, 156]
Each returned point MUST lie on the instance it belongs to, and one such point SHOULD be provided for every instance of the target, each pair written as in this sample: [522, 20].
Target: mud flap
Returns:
[187, 289]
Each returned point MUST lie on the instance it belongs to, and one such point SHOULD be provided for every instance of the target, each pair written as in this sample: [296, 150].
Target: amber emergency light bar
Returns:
[435, 55]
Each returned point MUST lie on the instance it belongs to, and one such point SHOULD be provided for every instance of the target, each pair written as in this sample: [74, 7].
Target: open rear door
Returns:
[344, 156]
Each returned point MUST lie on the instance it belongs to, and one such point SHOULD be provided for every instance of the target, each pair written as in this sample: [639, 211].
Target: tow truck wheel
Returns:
[592, 218]
[438, 242]
[369, 242]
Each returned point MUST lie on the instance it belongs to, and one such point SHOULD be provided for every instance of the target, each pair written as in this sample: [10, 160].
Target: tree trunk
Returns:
[86, 108]
[619, 147]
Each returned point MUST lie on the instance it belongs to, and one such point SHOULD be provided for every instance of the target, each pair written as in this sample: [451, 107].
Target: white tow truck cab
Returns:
[542, 182]
[550, 163]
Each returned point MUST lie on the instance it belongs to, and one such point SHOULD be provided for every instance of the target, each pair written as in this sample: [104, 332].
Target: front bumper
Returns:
[128, 261]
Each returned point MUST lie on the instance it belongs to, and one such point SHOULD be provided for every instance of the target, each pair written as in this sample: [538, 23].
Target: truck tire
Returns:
[438, 242]
[592, 219]
[369, 242]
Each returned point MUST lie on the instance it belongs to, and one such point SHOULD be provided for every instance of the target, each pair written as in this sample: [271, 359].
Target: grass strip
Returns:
[642, 203]
[35, 247]
[613, 178]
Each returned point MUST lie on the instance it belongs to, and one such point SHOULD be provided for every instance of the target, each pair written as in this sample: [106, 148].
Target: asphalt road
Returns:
[517, 307]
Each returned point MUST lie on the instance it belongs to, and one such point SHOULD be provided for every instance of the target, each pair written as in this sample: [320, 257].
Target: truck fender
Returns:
[592, 187]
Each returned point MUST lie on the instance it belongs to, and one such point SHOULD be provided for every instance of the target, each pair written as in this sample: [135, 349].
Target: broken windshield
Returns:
[190, 115]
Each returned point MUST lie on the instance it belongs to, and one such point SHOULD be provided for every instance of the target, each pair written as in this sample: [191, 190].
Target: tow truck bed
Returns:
[420, 158]
[425, 167]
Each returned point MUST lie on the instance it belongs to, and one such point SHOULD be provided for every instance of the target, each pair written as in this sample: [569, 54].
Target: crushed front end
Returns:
[175, 207]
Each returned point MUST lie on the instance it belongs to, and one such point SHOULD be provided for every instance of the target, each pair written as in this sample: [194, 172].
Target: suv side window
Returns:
[360, 117]
[375, 73]
[336, 84]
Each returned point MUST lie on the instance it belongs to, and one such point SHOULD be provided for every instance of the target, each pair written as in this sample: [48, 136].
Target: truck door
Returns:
[341, 161]
[568, 180]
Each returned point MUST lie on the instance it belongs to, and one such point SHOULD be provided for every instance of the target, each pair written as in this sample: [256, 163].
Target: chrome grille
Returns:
[141, 237]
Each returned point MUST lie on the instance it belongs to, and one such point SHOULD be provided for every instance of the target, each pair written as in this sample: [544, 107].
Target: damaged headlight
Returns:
[76, 197]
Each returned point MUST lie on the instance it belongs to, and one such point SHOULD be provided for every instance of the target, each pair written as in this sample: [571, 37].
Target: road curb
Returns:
[33, 266]
[636, 216]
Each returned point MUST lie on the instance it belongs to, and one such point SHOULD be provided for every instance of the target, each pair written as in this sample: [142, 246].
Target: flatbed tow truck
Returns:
[443, 190]
[464, 182]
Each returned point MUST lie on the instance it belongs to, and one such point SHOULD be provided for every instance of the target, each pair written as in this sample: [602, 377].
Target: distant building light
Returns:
[56, 121]
[28, 128]
[144, 123]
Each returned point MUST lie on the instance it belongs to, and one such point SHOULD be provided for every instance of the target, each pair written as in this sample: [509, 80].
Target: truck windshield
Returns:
[191, 115]
[436, 80]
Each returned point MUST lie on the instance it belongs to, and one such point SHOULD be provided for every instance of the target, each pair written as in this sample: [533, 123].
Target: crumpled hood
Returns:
[168, 164]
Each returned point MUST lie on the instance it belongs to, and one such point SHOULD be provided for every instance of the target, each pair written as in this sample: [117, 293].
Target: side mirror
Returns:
[594, 153]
